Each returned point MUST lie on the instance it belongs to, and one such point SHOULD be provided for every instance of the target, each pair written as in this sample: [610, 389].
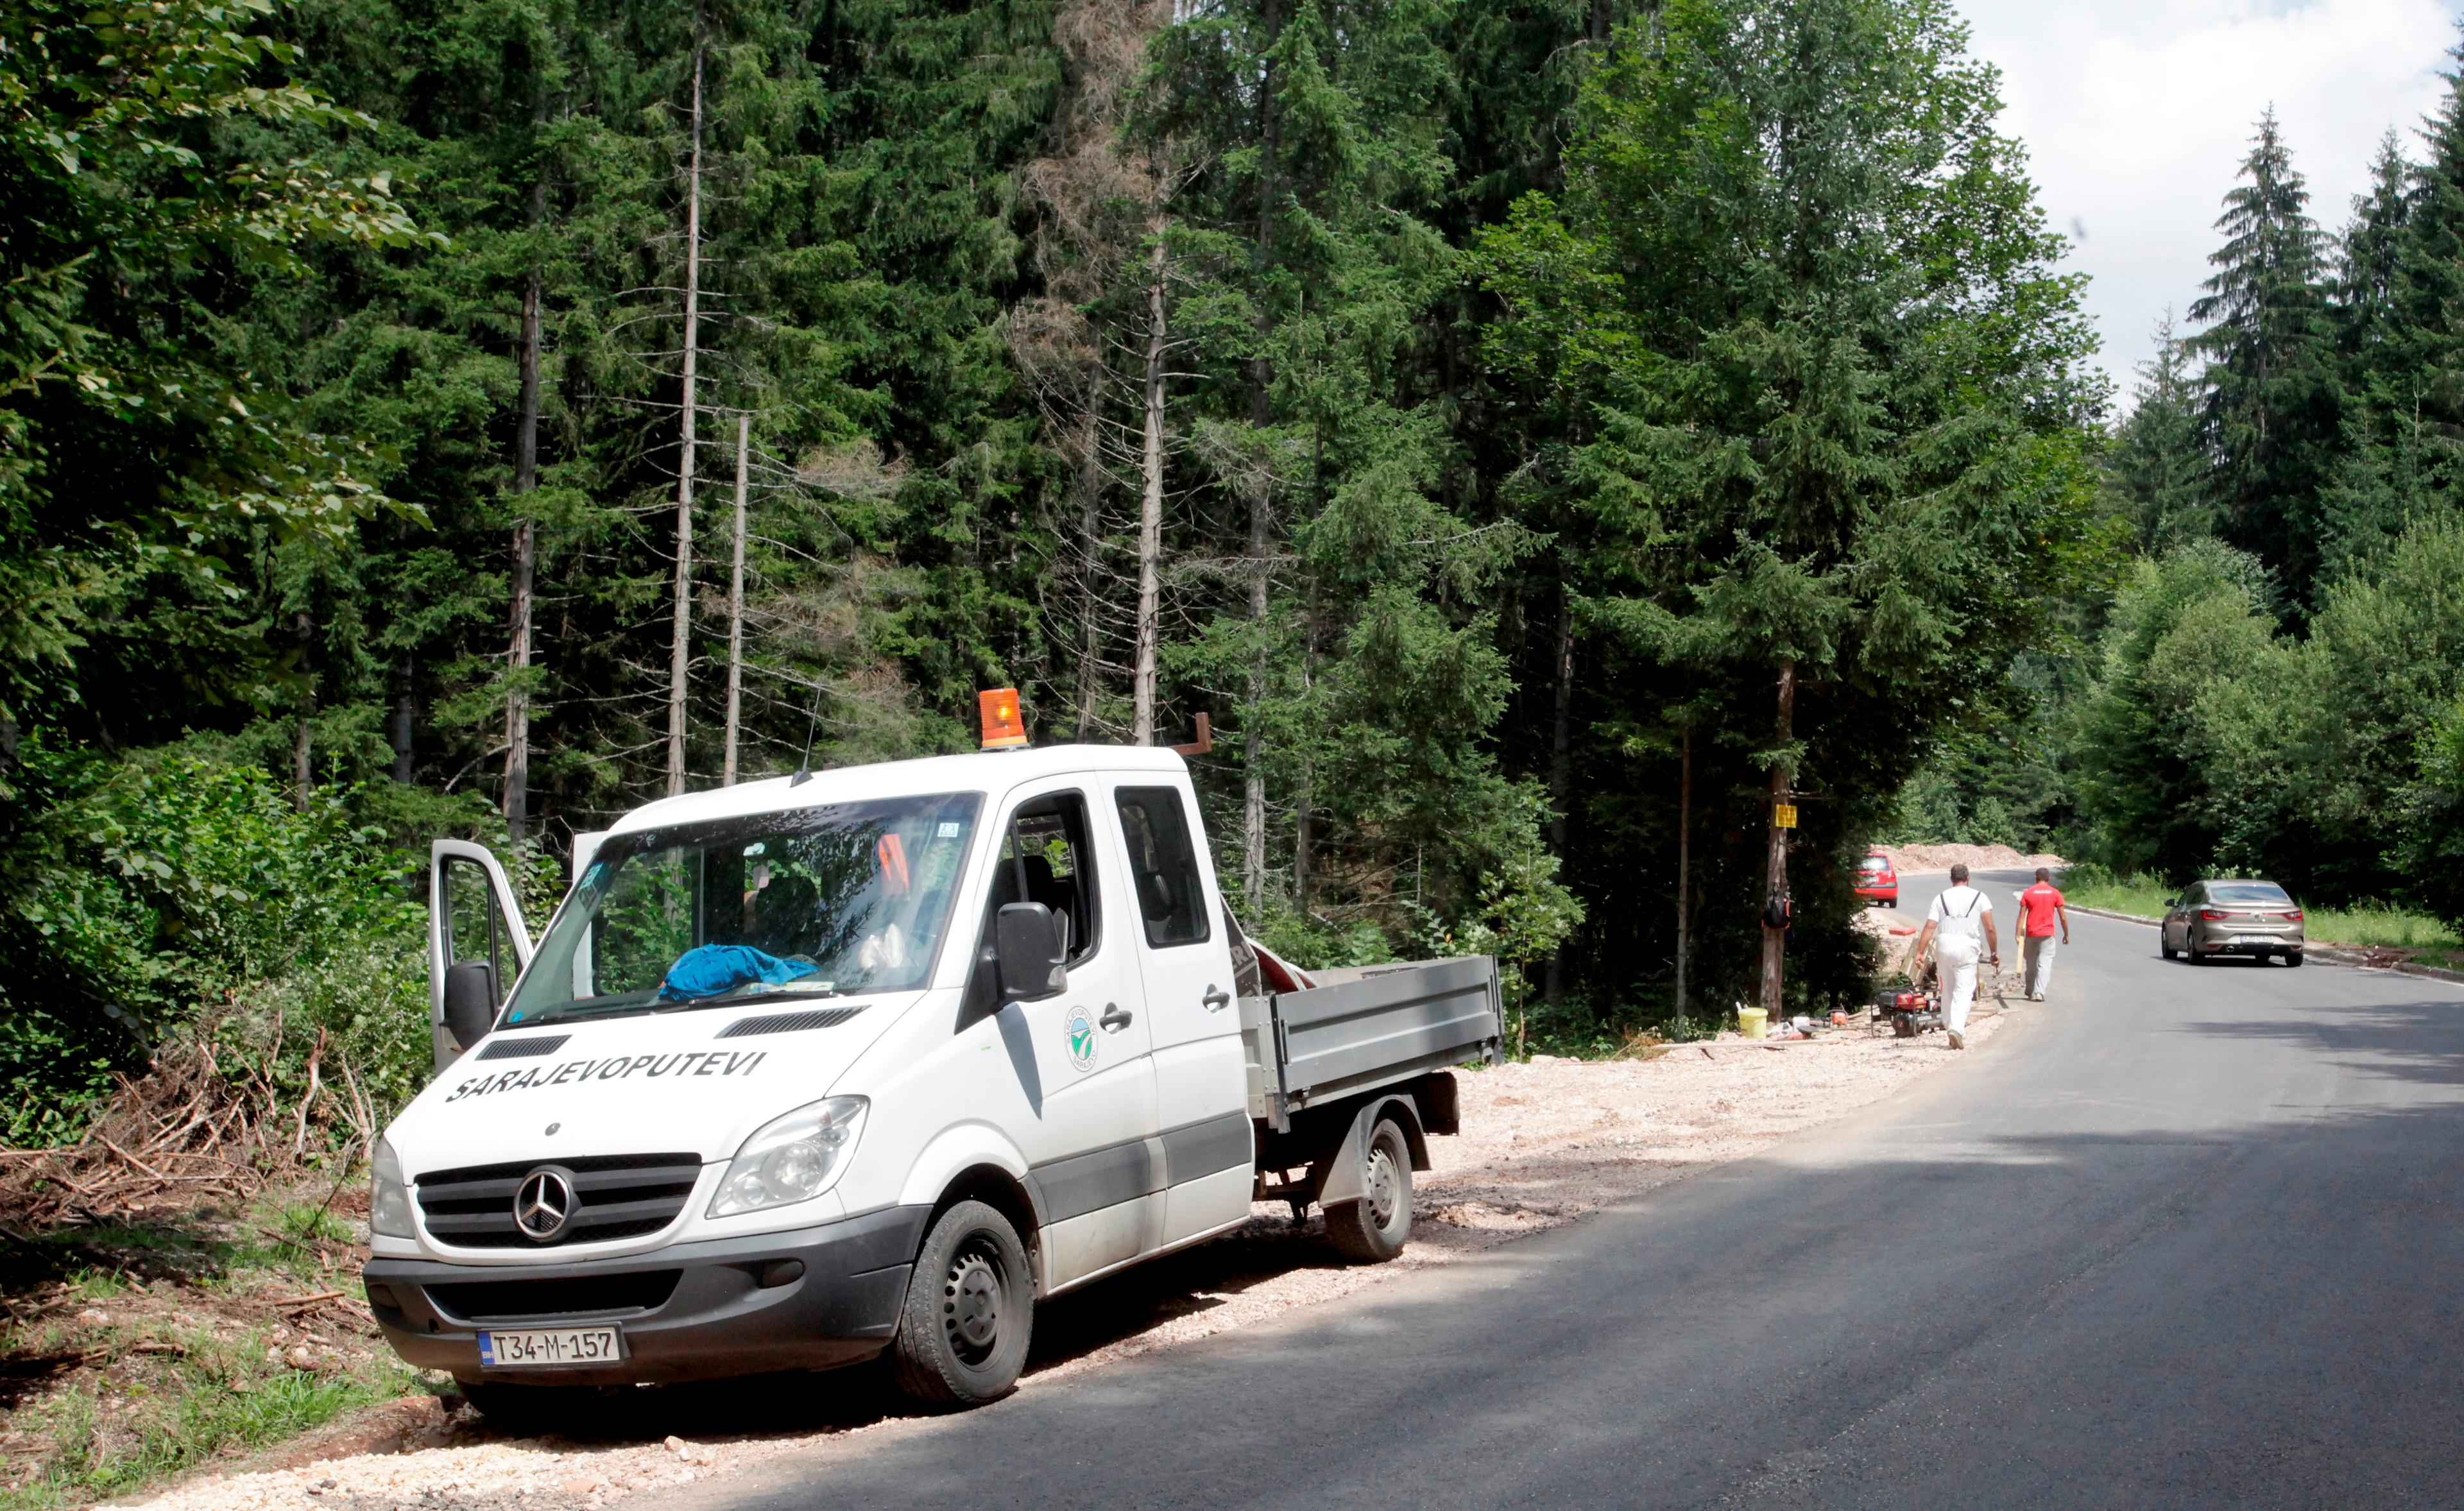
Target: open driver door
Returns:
[476, 945]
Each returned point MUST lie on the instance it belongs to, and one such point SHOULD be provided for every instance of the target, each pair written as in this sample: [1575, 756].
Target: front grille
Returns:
[615, 1197]
[524, 1048]
[788, 1022]
[571, 1295]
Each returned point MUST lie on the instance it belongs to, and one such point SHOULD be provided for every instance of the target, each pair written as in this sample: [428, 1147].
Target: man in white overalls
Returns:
[1959, 928]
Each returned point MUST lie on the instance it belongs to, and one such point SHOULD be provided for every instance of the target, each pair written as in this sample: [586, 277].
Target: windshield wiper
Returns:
[736, 994]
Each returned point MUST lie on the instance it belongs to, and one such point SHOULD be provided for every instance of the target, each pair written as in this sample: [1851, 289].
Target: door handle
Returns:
[1216, 999]
[1113, 1019]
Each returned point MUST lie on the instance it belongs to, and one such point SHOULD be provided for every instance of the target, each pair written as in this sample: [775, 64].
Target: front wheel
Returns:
[962, 1335]
[1375, 1228]
[2164, 942]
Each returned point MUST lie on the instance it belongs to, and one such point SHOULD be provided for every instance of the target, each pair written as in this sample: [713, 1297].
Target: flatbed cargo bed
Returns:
[1364, 1027]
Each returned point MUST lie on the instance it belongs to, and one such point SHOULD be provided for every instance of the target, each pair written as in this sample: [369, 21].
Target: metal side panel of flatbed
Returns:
[1368, 1027]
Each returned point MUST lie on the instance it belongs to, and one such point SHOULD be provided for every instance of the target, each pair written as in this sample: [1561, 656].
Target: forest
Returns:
[1538, 434]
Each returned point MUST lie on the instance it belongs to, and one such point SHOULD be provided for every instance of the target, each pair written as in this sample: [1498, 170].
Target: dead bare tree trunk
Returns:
[517, 699]
[1261, 380]
[1775, 856]
[406, 712]
[680, 649]
[736, 605]
[1149, 503]
[1090, 640]
[303, 775]
[1253, 747]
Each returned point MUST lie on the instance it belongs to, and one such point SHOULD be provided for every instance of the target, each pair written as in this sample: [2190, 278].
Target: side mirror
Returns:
[470, 1000]
[2172, 902]
[1027, 943]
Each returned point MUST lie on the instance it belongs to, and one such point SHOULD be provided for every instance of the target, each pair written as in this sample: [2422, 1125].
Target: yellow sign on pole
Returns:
[1784, 815]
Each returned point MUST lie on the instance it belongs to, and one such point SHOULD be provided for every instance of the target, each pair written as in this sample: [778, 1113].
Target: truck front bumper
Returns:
[811, 1298]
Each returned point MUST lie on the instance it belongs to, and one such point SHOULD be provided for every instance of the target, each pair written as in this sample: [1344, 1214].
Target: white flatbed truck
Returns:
[809, 1070]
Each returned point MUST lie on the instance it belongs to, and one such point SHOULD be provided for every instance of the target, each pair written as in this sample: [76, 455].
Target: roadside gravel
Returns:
[1922, 859]
[1543, 1144]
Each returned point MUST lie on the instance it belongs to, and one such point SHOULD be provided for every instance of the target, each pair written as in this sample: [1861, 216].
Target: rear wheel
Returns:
[970, 1309]
[2292, 957]
[1375, 1228]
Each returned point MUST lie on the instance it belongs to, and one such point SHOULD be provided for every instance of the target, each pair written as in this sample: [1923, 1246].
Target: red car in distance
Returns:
[1877, 882]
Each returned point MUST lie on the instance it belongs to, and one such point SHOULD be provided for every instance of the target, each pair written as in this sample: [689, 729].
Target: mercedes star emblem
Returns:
[543, 1204]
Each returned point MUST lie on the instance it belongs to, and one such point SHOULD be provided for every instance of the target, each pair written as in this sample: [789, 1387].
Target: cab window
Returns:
[1163, 865]
[1045, 858]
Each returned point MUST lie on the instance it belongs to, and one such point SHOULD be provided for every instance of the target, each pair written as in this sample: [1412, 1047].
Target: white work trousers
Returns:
[2041, 963]
[1958, 969]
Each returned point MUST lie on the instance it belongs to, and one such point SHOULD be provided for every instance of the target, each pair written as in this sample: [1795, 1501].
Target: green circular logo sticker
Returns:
[1082, 1039]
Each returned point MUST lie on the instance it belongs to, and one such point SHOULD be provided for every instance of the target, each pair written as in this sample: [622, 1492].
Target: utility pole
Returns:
[736, 607]
[680, 649]
[1776, 861]
[1685, 857]
[1149, 503]
[1561, 766]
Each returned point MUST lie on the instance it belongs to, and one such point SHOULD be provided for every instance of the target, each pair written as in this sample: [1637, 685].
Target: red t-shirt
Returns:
[2037, 906]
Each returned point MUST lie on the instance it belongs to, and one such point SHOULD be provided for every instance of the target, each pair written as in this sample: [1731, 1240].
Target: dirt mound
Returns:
[1976, 856]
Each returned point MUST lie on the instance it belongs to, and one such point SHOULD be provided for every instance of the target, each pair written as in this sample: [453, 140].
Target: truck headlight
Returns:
[389, 1202]
[790, 1159]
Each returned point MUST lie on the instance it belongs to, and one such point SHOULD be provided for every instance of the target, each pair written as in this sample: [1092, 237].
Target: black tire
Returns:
[970, 1311]
[2292, 957]
[2164, 942]
[1375, 1228]
[2191, 948]
[541, 1408]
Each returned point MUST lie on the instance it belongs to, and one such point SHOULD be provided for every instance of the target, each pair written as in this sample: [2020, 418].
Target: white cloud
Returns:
[2137, 117]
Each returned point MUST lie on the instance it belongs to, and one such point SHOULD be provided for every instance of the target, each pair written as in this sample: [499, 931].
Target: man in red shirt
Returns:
[2040, 908]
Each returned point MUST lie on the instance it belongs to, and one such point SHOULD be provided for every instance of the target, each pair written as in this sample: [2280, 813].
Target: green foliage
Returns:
[1539, 375]
[139, 890]
[1806, 390]
[132, 460]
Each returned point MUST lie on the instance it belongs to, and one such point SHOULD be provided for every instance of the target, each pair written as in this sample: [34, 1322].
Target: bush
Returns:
[134, 892]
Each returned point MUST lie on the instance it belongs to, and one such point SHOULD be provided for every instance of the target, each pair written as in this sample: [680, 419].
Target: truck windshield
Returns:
[820, 902]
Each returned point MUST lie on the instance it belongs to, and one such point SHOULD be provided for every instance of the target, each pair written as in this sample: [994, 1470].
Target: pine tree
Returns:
[2274, 394]
[2402, 349]
[2156, 467]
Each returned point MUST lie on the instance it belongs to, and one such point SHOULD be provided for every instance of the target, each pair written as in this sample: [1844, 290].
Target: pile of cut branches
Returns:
[206, 1119]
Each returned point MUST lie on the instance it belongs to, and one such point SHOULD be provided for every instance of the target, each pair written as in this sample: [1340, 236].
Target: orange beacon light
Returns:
[1003, 729]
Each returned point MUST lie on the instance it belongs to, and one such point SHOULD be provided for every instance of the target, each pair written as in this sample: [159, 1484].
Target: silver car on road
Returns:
[2232, 918]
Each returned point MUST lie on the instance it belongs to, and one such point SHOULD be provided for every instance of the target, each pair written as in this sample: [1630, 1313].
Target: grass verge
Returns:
[132, 1355]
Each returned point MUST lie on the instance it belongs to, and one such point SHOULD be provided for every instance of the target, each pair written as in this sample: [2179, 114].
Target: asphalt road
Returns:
[2180, 1236]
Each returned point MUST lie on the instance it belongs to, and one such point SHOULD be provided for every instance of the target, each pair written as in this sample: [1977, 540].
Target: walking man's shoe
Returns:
[1958, 1040]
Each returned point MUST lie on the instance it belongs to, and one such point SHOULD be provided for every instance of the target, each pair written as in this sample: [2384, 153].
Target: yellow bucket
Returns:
[1750, 1021]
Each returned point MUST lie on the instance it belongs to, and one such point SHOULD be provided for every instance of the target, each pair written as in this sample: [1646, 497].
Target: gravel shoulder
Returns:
[1543, 1144]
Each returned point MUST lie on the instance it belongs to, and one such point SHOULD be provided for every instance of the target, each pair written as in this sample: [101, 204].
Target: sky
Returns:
[2137, 115]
